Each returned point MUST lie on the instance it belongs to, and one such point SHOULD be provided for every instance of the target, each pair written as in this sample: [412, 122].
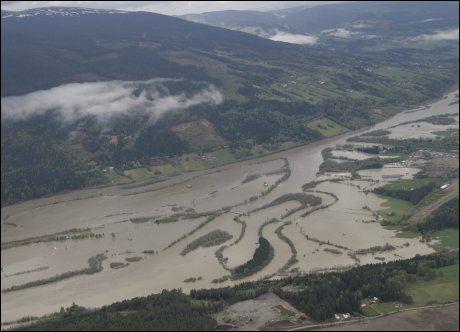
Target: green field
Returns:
[141, 174]
[401, 156]
[451, 132]
[200, 134]
[369, 311]
[138, 174]
[412, 183]
[406, 234]
[223, 156]
[163, 169]
[116, 179]
[399, 209]
[372, 310]
[446, 238]
[396, 73]
[384, 307]
[444, 288]
[193, 162]
[326, 127]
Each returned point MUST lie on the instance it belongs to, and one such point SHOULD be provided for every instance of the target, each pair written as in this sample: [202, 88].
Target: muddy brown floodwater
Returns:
[156, 247]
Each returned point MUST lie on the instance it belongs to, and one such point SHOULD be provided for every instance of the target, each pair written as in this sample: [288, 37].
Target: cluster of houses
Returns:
[371, 300]
[342, 316]
[206, 157]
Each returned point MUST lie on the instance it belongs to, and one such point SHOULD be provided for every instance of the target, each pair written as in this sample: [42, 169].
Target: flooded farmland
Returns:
[142, 230]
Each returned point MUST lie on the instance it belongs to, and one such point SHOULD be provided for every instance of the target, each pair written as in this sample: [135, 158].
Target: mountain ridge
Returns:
[273, 93]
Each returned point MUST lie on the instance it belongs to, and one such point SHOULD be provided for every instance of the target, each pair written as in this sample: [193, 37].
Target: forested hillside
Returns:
[269, 92]
[359, 26]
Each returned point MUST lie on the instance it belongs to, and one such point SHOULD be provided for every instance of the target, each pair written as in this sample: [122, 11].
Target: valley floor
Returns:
[97, 246]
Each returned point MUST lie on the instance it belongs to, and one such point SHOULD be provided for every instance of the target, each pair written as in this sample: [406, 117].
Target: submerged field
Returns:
[195, 230]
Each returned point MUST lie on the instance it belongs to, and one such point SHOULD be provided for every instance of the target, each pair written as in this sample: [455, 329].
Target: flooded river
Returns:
[110, 212]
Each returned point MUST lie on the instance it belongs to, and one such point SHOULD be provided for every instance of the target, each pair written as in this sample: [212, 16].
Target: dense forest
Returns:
[317, 295]
[410, 145]
[262, 255]
[413, 195]
[168, 311]
[444, 217]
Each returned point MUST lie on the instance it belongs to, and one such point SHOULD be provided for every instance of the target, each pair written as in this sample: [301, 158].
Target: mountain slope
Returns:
[107, 45]
[165, 86]
[369, 22]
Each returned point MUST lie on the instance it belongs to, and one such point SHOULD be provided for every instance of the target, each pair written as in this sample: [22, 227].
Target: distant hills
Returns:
[218, 88]
[369, 22]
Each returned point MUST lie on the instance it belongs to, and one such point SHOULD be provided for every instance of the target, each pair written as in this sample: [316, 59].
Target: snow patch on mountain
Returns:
[57, 11]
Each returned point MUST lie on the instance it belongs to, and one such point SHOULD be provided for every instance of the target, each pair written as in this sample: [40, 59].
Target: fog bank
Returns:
[105, 99]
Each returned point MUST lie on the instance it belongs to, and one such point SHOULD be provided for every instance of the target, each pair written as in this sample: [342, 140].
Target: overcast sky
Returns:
[164, 7]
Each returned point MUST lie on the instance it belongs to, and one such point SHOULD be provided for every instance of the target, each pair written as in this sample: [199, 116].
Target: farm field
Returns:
[429, 319]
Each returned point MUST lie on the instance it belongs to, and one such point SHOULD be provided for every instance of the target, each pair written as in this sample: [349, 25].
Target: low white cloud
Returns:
[451, 34]
[277, 35]
[294, 38]
[254, 30]
[360, 26]
[105, 99]
[432, 20]
[340, 33]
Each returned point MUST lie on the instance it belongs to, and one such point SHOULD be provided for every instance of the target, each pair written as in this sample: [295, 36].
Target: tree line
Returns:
[317, 295]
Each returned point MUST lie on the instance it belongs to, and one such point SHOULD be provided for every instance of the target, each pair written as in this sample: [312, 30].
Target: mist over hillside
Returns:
[77, 74]
[360, 25]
